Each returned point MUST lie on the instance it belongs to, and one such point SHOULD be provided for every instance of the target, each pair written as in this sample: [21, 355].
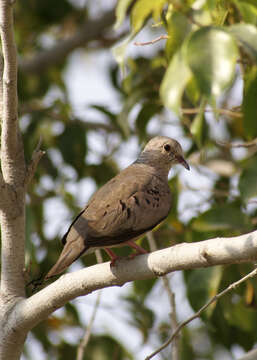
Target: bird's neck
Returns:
[150, 160]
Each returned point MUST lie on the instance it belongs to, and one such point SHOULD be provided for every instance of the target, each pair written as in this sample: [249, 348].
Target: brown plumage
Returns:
[127, 206]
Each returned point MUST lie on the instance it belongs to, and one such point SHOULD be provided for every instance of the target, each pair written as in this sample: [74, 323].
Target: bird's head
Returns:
[163, 152]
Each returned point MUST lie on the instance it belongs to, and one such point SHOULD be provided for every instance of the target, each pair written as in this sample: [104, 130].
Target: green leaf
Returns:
[248, 180]
[248, 10]
[238, 315]
[119, 52]
[246, 34]
[250, 104]
[212, 55]
[252, 2]
[219, 11]
[178, 28]
[224, 217]
[143, 9]
[192, 91]
[174, 82]
[104, 347]
[199, 126]
[121, 10]
[202, 284]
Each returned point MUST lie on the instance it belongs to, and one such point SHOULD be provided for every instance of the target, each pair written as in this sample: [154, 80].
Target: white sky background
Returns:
[88, 83]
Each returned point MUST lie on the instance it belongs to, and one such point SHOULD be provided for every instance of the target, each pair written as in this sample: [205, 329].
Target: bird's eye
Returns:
[167, 147]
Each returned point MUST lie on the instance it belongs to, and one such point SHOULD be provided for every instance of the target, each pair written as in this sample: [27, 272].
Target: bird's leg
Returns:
[139, 249]
[112, 255]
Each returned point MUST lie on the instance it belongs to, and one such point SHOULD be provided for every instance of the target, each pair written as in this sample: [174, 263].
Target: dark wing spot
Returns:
[136, 200]
[128, 213]
[148, 201]
[105, 213]
[153, 191]
[123, 205]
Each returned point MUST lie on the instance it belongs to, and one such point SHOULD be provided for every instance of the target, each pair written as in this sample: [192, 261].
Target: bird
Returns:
[132, 203]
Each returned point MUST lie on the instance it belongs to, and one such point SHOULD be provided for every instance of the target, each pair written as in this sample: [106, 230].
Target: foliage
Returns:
[193, 80]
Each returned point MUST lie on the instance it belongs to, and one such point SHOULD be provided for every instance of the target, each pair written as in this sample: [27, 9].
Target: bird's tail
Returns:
[69, 254]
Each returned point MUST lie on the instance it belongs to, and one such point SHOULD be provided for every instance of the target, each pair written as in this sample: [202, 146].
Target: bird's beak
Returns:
[182, 161]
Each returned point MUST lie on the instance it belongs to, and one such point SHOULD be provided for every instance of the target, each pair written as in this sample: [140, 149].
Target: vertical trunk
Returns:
[11, 340]
[13, 242]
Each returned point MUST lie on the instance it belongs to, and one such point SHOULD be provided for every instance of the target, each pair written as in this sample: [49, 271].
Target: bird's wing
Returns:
[130, 204]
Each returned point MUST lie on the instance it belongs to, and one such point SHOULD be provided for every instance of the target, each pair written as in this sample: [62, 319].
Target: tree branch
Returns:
[161, 37]
[247, 144]
[226, 112]
[206, 253]
[9, 98]
[1, 117]
[13, 165]
[89, 31]
[36, 156]
[1, 86]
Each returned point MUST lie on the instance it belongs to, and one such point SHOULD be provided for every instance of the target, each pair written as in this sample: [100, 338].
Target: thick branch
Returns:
[12, 163]
[9, 96]
[211, 252]
[9, 101]
[91, 30]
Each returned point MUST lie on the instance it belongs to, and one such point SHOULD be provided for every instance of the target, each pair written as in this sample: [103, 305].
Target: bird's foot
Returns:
[139, 249]
[112, 255]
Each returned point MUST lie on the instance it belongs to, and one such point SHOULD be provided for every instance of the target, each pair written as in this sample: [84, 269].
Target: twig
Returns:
[161, 37]
[203, 308]
[36, 156]
[171, 296]
[231, 113]
[86, 337]
[247, 144]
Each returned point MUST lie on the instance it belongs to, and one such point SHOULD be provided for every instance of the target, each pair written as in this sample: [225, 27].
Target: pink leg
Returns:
[112, 255]
[139, 249]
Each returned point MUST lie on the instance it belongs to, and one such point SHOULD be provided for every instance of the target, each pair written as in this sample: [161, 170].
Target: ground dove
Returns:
[126, 207]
